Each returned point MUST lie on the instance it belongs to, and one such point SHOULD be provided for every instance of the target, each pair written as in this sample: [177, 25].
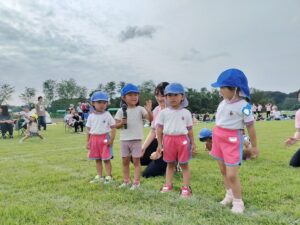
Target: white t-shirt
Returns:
[135, 123]
[100, 123]
[156, 113]
[175, 121]
[259, 108]
[25, 115]
[230, 115]
[33, 127]
[276, 114]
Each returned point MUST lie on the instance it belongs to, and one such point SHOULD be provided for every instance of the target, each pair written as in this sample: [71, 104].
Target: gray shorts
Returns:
[131, 148]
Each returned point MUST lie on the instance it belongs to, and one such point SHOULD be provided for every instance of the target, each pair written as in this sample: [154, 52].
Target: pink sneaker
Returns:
[166, 188]
[186, 192]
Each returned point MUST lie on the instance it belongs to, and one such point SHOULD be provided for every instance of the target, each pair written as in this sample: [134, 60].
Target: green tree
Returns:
[6, 91]
[110, 89]
[68, 89]
[28, 96]
[49, 90]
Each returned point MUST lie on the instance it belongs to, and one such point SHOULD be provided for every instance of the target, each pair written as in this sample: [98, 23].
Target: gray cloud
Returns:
[132, 32]
[195, 55]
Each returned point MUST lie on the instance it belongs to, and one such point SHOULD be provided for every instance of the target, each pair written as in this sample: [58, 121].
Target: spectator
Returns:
[6, 122]
[41, 112]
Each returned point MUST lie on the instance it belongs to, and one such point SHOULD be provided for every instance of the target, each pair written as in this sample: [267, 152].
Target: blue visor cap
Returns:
[129, 88]
[233, 78]
[99, 96]
[204, 134]
[176, 88]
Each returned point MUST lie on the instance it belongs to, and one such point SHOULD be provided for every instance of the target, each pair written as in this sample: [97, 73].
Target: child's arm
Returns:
[148, 108]
[148, 140]
[252, 136]
[191, 137]
[159, 134]
[112, 136]
[120, 123]
[88, 138]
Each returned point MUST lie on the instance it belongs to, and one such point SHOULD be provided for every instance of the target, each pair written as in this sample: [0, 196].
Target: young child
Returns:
[130, 121]
[175, 137]
[233, 113]
[32, 128]
[99, 142]
[205, 135]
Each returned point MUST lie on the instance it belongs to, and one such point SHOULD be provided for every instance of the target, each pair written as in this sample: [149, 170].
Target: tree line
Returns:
[60, 94]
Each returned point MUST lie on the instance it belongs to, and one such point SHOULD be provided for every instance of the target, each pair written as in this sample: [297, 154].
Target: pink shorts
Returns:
[227, 145]
[177, 148]
[98, 147]
[131, 148]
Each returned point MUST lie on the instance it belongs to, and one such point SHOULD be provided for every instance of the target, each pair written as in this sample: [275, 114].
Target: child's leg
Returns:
[126, 174]
[99, 167]
[108, 167]
[137, 169]
[24, 138]
[186, 174]
[234, 181]
[170, 172]
[223, 172]
[40, 136]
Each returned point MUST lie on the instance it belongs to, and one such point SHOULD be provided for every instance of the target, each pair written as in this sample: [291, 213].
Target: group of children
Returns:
[174, 134]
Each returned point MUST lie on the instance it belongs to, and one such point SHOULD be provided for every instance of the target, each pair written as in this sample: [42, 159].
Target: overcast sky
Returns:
[188, 41]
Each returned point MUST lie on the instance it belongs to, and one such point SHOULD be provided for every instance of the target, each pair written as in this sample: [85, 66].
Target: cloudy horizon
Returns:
[184, 41]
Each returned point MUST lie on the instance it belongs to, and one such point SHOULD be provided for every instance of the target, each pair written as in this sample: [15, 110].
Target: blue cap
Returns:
[129, 88]
[204, 134]
[99, 96]
[176, 88]
[233, 78]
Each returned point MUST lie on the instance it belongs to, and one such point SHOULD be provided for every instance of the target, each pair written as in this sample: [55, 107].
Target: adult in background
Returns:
[268, 110]
[41, 112]
[155, 163]
[6, 123]
[295, 160]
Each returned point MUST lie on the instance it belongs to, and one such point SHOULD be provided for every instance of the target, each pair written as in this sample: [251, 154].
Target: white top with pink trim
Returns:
[100, 123]
[297, 119]
[230, 115]
[175, 121]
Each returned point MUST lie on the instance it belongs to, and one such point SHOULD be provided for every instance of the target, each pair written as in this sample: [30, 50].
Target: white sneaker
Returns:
[125, 184]
[97, 179]
[107, 179]
[238, 207]
[135, 186]
[227, 200]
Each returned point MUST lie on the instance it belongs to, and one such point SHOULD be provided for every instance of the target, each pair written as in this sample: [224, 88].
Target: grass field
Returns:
[47, 182]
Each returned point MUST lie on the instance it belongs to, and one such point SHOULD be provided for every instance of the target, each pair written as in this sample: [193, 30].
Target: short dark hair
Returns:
[40, 97]
[4, 110]
[160, 88]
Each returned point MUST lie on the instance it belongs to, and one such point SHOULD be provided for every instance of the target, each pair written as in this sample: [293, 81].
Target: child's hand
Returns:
[255, 152]
[155, 155]
[110, 142]
[290, 141]
[124, 121]
[88, 146]
[148, 105]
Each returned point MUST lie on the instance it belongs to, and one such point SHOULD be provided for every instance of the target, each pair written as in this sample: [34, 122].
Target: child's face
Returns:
[100, 106]
[160, 99]
[227, 93]
[131, 99]
[175, 100]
